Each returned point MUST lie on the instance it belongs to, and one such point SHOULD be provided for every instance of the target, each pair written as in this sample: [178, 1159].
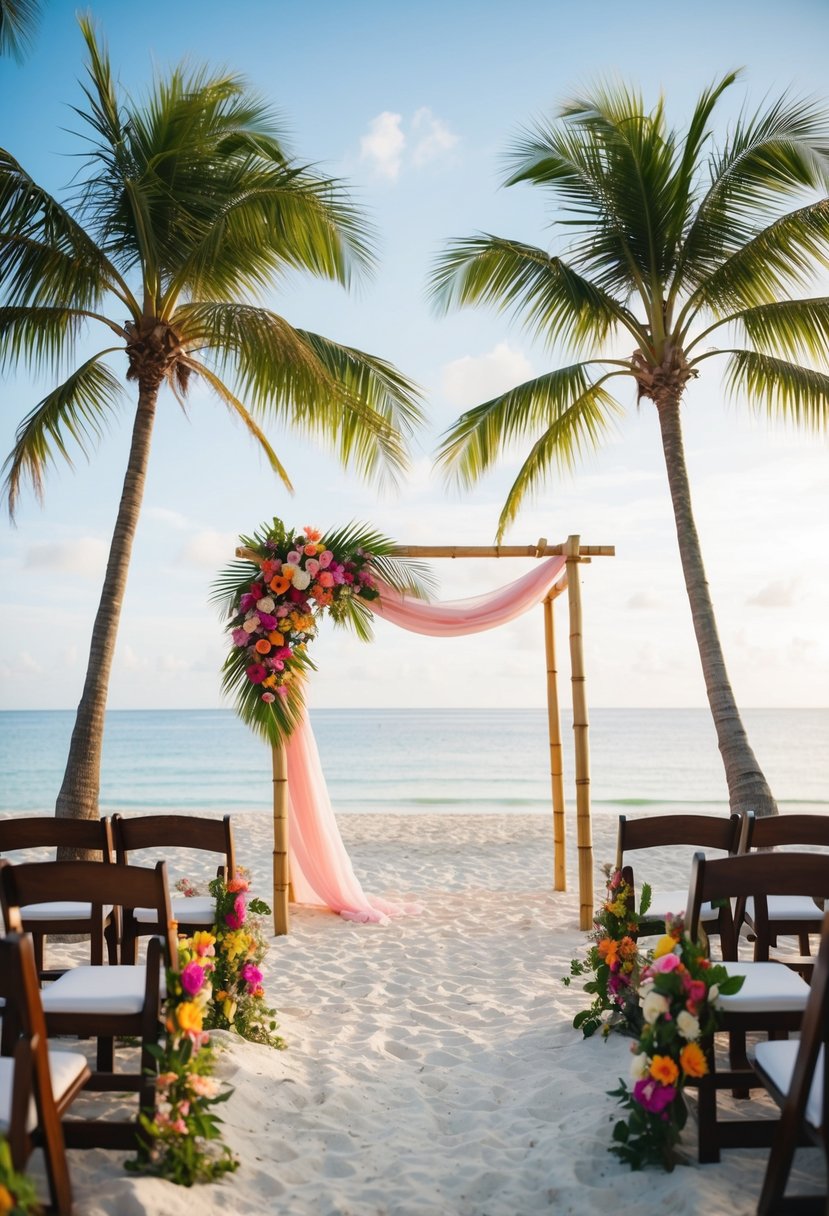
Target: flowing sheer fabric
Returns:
[321, 871]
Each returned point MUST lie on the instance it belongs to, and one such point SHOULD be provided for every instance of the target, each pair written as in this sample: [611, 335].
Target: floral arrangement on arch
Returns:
[183, 1142]
[613, 961]
[678, 989]
[275, 597]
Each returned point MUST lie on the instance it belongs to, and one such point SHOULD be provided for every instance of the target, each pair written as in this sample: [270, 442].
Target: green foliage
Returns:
[18, 1196]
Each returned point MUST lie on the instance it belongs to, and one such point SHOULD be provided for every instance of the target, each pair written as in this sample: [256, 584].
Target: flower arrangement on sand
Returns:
[183, 1141]
[677, 987]
[275, 597]
[18, 1196]
[612, 960]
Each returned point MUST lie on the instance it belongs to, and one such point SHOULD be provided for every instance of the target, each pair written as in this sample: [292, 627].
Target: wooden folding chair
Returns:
[796, 1074]
[100, 1001]
[773, 996]
[168, 832]
[37, 1085]
[666, 831]
[796, 916]
[56, 916]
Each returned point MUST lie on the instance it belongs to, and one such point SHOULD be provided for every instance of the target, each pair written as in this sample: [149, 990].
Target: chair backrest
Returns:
[774, 830]
[177, 832]
[90, 882]
[46, 831]
[663, 831]
[20, 990]
[758, 875]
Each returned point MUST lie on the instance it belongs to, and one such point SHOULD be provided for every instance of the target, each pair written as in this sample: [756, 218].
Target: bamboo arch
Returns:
[576, 554]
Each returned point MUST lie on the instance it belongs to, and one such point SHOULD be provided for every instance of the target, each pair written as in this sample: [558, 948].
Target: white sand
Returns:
[432, 1066]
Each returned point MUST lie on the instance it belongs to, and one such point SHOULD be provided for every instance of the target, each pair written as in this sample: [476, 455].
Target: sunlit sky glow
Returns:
[415, 105]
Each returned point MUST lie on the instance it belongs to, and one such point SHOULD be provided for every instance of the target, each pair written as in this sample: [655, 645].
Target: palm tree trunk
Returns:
[747, 787]
[78, 796]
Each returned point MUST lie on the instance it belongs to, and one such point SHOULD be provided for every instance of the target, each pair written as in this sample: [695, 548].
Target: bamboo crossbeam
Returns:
[500, 551]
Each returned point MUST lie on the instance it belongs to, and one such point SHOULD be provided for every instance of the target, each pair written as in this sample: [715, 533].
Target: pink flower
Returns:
[325, 559]
[282, 690]
[268, 697]
[256, 673]
[240, 637]
[238, 916]
[668, 962]
[293, 557]
[251, 975]
[192, 978]
[312, 566]
[325, 578]
[696, 990]
[653, 1096]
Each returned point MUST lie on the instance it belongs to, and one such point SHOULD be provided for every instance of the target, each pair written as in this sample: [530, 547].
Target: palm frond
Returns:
[76, 409]
[39, 336]
[579, 428]
[249, 423]
[553, 300]
[18, 21]
[795, 328]
[786, 391]
[553, 400]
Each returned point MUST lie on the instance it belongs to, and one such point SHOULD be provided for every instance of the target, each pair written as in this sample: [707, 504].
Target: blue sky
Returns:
[415, 106]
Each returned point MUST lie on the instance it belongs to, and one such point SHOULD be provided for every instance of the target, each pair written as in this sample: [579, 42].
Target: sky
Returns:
[415, 106]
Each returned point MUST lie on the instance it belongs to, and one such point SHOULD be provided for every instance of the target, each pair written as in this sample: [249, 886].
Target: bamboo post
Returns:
[556, 756]
[581, 727]
[281, 867]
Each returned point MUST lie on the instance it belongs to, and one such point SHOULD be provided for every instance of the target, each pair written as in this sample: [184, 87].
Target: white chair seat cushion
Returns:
[675, 903]
[59, 910]
[64, 1066]
[789, 907]
[105, 990]
[197, 909]
[768, 987]
[777, 1059]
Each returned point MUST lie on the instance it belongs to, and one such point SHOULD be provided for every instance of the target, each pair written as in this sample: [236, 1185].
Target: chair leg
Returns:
[738, 1059]
[709, 1148]
[804, 945]
[111, 939]
[38, 944]
[57, 1171]
[105, 1061]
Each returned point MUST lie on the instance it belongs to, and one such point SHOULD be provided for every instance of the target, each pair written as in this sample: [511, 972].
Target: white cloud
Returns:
[85, 556]
[473, 379]
[644, 601]
[164, 515]
[209, 549]
[434, 137]
[129, 659]
[779, 594]
[384, 144]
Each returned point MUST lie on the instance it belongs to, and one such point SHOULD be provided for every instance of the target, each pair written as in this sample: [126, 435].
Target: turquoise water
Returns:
[416, 760]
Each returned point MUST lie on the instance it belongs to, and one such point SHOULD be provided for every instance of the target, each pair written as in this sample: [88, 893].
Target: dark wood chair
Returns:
[795, 916]
[37, 1085]
[167, 833]
[100, 1001]
[61, 916]
[773, 997]
[796, 1074]
[724, 833]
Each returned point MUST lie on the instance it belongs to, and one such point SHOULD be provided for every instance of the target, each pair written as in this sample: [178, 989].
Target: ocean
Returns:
[416, 760]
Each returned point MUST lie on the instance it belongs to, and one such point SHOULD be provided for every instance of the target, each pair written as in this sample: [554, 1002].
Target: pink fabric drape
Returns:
[321, 871]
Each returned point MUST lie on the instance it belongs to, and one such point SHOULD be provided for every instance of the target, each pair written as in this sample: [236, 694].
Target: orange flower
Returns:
[311, 550]
[312, 534]
[627, 947]
[664, 1070]
[263, 646]
[237, 884]
[693, 1061]
[276, 637]
[279, 584]
[189, 1016]
[608, 950]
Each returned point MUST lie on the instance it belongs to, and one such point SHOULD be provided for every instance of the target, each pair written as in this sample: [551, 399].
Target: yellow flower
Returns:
[664, 1070]
[665, 945]
[203, 941]
[189, 1016]
[229, 1009]
[693, 1061]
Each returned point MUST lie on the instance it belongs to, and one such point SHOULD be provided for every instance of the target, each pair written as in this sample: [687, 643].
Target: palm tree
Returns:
[189, 205]
[18, 21]
[673, 239]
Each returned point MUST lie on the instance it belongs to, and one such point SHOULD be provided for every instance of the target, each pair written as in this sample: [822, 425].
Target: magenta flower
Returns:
[192, 978]
[668, 962]
[251, 975]
[241, 637]
[653, 1096]
[267, 621]
[256, 673]
[238, 916]
[696, 990]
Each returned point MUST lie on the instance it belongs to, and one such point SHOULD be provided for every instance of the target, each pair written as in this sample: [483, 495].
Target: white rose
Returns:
[266, 604]
[301, 579]
[639, 1067]
[688, 1026]
[713, 992]
[251, 623]
[653, 1006]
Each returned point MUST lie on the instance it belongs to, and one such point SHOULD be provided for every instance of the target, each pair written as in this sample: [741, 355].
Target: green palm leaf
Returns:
[787, 391]
[77, 408]
[797, 328]
[18, 22]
